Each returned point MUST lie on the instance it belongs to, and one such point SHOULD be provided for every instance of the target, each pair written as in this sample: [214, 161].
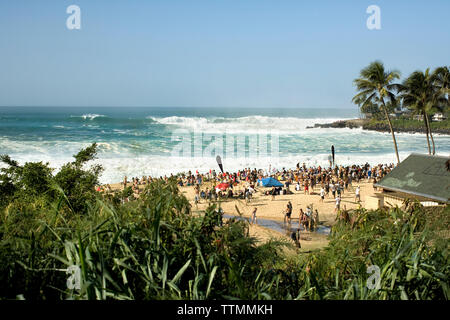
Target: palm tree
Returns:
[441, 78]
[421, 94]
[375, 85]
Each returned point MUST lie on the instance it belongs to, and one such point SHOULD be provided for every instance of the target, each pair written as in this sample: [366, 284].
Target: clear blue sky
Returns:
[219, 53]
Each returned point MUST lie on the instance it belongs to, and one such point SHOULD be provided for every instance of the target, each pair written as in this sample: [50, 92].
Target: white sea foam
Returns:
[249, 124]
[89, 116]
[137, 157]
[116, 168]
[137, 166]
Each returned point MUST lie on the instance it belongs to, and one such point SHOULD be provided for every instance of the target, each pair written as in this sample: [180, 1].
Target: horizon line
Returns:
[212, 107]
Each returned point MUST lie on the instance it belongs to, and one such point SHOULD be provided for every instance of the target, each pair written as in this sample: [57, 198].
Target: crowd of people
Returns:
[330, 182]
[309, 220]
[333, 182]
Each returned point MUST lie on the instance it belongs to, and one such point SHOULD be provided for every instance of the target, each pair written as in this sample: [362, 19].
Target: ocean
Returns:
[158, 141]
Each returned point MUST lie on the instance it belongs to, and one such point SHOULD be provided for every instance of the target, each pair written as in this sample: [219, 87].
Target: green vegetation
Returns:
[410, 247]
[156, 248]
[408, 125]
[376, 89]
[422, 93]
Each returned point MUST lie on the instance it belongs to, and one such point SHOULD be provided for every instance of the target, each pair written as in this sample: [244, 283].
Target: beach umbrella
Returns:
[219, 162]
[223, 186]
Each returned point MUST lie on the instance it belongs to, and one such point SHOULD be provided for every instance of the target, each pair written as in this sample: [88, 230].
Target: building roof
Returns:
[420, 175]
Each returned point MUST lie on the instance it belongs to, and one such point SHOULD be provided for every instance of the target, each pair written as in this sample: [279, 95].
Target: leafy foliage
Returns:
[156, 248]
[376, 86]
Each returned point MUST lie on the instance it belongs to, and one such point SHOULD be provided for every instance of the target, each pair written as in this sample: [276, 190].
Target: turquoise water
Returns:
[143, 141]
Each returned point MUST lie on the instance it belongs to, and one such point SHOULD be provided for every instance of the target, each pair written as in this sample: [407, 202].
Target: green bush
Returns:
[404, 245]
[155, 248]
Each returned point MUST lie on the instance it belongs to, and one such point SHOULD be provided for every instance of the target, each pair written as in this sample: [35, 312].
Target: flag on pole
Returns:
[219, 162]
[332, 153]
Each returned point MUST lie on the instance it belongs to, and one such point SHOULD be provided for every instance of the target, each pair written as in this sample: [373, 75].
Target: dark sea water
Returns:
[155, 141]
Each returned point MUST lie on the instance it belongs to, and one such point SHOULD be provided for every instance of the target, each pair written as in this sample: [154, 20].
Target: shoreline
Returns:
[366, 124]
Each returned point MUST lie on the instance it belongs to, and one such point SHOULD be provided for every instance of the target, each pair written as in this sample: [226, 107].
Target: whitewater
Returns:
[143, 141]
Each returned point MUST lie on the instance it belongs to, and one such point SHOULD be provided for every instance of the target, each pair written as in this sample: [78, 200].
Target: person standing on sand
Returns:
[338, 204]
[125, 182]
[316, 219]
[254, 216]
[358, 194]
[304, 220]
[272, 192]
[322, 194]
[197, 194]
[287, 216]
[300, 217]
[309, 217]
[333, 189]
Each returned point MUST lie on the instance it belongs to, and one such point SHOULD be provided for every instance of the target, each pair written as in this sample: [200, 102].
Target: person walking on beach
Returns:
[306, 187]
[338, 189]
[322, 194]
[287, 216]
[358, 194]
[247, 195]
[254, 216]
[338, 204]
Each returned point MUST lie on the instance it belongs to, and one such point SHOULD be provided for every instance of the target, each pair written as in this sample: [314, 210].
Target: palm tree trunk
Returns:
[431, 135]
[427, 129]
[432, 141]
[392, 130]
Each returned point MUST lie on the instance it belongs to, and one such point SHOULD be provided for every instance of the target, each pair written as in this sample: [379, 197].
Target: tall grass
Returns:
[154, 248]
[406, 246]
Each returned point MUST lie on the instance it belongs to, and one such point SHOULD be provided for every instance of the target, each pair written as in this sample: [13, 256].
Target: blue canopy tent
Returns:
[270, 182]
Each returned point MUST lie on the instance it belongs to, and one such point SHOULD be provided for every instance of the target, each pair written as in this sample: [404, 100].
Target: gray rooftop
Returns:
[420, 175]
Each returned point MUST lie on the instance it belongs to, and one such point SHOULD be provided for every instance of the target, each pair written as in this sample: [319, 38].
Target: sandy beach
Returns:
[273, 209]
